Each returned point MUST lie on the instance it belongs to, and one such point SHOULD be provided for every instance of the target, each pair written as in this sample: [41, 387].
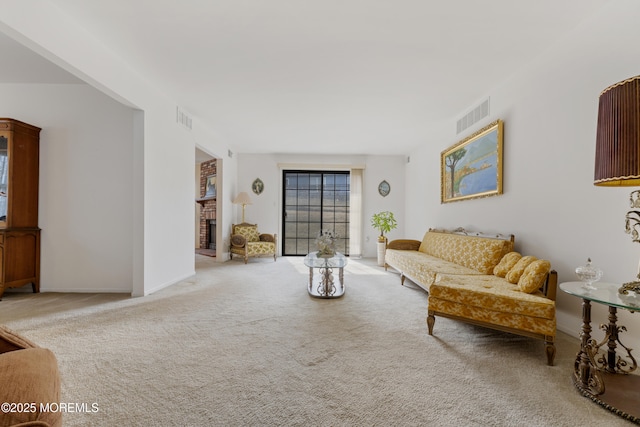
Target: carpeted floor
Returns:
[245, 345]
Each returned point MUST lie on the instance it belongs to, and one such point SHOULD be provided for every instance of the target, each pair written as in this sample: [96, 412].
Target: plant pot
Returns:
[382, 247]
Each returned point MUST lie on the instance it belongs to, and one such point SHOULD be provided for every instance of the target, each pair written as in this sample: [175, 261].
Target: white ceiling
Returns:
[319, 76]
[21, 65]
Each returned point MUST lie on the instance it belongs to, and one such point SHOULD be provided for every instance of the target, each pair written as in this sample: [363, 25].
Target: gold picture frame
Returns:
[472, 168]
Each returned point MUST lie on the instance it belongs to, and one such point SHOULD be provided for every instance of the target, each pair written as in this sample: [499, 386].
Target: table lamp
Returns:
[242, 199]
[618, 151]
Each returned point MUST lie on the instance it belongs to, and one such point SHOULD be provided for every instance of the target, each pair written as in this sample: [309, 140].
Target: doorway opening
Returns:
[206, 204]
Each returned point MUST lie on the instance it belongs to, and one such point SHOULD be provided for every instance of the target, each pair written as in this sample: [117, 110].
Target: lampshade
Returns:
[242, 199]
[618, 135]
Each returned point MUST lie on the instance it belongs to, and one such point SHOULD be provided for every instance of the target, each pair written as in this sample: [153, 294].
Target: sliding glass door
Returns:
[314, 201]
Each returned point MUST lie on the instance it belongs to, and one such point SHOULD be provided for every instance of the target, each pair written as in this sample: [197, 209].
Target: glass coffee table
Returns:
[323, 283]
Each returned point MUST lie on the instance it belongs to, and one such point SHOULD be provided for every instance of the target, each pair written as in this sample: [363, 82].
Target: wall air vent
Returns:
[183, 118]
[473, 116]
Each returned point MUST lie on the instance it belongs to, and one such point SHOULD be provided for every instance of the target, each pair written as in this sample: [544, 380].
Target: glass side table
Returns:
[598, 363]
[322, 281]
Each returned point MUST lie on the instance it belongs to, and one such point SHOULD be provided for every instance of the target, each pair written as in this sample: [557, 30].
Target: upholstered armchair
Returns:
[248, 242]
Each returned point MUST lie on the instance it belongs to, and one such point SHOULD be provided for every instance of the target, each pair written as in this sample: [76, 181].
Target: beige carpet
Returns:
[244, 345]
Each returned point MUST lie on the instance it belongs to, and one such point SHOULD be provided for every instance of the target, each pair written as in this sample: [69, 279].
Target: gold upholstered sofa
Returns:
[247, 241]
[479, 279]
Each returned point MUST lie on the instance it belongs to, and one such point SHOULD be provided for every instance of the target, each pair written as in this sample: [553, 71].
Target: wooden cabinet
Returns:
[19, 232]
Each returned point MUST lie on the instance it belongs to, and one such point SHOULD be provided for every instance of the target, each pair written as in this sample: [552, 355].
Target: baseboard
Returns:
[86, 290]
[167, 284]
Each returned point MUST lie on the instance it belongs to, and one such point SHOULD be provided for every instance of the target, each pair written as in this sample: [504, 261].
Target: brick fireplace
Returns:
[208, 210]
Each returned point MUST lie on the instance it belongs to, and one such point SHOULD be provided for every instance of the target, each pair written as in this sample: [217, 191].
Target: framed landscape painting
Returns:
[473, 167]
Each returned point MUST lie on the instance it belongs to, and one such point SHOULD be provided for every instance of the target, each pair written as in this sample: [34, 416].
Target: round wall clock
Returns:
[257, 186]
[384, 188]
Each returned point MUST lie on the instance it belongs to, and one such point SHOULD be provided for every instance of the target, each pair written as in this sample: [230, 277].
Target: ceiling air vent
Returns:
[473, 116]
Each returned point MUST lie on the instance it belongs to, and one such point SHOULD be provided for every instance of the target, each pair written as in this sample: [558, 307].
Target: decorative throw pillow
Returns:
[506, 263]
[534, 275]
[516, 271]
[250, 232]
[238, 240]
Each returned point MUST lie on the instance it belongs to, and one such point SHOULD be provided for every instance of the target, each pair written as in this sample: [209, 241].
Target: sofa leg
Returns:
[550, 349]
[431, 320]
[402, 277]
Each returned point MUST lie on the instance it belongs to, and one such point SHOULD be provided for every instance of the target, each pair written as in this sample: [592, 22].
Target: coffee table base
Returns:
[324, 284]
[620, 397]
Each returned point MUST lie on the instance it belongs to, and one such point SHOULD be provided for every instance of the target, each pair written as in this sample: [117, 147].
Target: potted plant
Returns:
[384, 222]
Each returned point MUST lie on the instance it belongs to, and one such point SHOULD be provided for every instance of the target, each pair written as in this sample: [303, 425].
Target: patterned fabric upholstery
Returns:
[516, 322]
[249, 232]
[248, 242]
[422, 268]
[493, 300]
[506, 263]
[458, 273]
[260, 248]
[479, 253]
[517, 270]
[533, 277]
[492, 294]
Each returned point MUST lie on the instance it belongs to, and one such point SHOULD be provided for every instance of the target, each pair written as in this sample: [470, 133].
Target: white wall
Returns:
[86, 196]
[266, 209]
[163, 151]
[550, 203]
[392, 170]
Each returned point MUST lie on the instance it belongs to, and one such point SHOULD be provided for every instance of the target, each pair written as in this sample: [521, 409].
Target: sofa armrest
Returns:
[30, 376]
[10, 341]
[404, 244]
[550, 285]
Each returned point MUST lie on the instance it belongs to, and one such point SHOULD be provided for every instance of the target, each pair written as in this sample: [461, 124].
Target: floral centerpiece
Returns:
[326, 243]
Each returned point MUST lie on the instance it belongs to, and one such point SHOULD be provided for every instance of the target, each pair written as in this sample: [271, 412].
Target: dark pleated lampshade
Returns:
[618, 135]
